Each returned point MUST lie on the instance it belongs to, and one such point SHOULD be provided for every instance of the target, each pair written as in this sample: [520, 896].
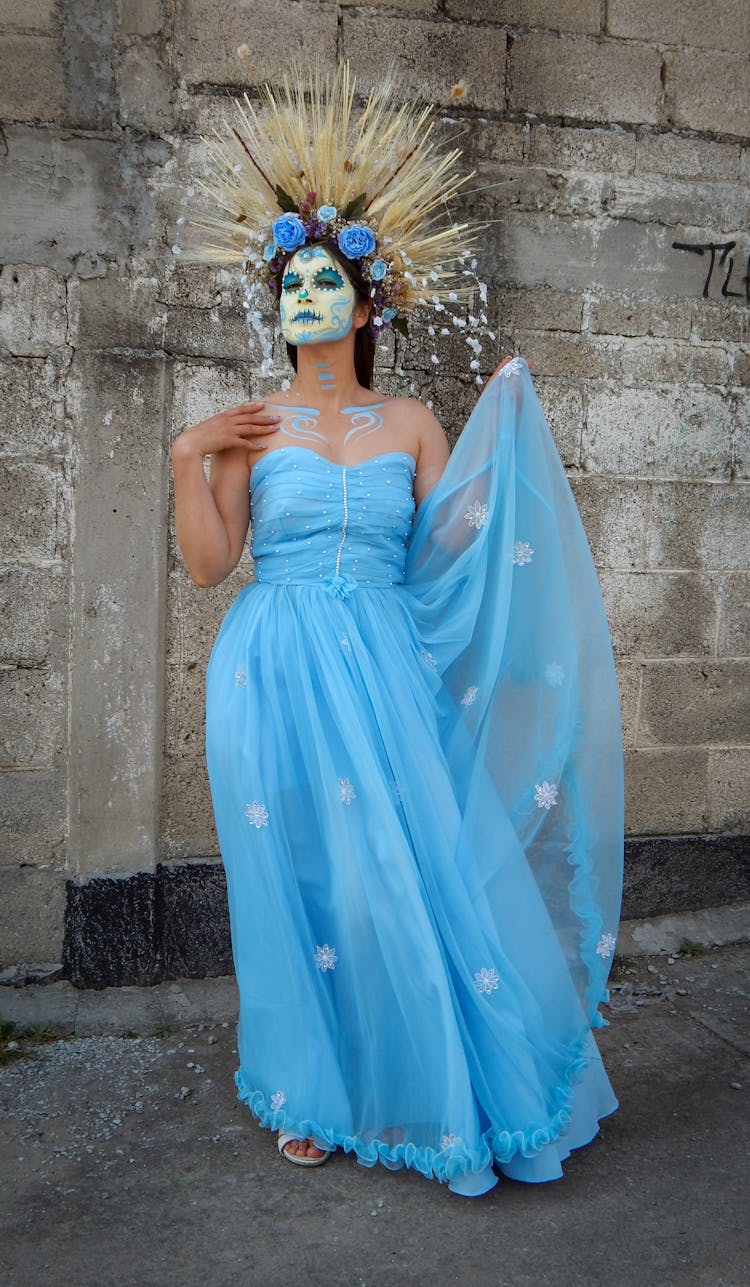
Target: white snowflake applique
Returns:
[428, 658]
[606, 945]
[470, 695]
[256, 814]
[522, 553]
[346, 790]
[545, 795]
[486, 980]
[515, 364]
[448, 1141]
[476, 515]
[277, 1100]
[325, 957]
[554, 674]
[240, 677]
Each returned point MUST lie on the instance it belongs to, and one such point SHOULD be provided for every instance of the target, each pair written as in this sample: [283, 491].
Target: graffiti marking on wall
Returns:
[711, 248]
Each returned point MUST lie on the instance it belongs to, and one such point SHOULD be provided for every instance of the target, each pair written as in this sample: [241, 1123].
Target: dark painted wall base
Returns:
[169, 924]
[173, 923]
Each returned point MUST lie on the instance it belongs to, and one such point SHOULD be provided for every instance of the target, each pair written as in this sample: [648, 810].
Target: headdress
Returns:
[305, 166]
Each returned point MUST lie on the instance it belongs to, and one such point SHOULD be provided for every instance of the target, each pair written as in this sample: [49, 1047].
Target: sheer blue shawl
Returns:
[508, 606]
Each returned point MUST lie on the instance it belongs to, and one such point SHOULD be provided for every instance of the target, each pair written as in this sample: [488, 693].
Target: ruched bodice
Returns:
[339, 526]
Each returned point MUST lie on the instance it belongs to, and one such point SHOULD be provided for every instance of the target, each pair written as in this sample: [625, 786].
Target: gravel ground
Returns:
[127, 1159]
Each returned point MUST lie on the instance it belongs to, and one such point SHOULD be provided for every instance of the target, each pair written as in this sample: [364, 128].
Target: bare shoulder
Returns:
[278, 398]
[433, 450]
[418, 417]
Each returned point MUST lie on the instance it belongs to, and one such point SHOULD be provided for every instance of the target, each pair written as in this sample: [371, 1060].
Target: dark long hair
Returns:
[364, 340]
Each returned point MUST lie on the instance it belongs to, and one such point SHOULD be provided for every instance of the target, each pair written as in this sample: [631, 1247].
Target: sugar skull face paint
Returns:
[317, 299]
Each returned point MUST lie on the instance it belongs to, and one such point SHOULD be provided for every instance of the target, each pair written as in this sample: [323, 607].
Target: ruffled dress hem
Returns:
[532, 1156]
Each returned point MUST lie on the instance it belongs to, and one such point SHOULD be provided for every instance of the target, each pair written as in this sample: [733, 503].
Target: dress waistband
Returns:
[338, 584]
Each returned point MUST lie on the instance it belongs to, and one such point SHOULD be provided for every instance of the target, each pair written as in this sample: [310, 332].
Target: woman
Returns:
[413, 734]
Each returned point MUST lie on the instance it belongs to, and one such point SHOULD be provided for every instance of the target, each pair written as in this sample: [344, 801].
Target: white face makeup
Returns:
[317, 299]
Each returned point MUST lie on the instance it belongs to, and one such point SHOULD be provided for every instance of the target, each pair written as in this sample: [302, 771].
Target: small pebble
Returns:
[736, 1085]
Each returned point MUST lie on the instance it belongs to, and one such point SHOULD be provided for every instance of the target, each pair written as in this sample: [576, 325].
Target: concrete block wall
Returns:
[611, 144]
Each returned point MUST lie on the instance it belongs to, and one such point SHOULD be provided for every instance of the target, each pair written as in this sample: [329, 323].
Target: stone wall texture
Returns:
[611, 143]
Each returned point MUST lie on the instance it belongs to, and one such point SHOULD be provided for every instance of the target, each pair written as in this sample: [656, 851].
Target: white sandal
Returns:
[300, 1161]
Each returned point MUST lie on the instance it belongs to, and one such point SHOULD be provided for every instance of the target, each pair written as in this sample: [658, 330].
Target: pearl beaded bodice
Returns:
[339, 526]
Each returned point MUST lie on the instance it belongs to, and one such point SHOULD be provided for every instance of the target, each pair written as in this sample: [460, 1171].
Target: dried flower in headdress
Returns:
[306, 167]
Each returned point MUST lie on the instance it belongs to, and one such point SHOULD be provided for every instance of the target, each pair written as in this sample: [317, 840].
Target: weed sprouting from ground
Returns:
[17, 1041]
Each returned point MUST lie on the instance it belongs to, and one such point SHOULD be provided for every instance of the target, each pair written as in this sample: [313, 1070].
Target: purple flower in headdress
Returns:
[289, 232]
[356, 240]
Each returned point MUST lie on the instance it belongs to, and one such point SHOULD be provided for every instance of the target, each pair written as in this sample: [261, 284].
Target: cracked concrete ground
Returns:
[128, 1160]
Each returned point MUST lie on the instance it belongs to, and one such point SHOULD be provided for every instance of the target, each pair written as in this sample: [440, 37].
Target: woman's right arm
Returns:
[212, 517]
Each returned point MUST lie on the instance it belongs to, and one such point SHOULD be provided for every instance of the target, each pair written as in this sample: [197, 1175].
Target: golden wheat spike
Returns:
[307, 136]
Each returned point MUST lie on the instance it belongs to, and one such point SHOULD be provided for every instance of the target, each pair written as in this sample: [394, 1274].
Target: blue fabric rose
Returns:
[289, 232]
[327, 213]
[378, 270]
[356, 241]
[389, 314]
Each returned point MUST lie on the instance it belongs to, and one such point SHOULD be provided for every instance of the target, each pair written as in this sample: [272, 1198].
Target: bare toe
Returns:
[304, 1148]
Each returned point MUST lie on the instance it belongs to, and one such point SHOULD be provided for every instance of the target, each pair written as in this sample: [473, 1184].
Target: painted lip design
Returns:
[307, 315]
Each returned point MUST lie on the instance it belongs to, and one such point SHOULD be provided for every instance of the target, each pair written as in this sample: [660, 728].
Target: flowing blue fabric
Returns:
[415, 756]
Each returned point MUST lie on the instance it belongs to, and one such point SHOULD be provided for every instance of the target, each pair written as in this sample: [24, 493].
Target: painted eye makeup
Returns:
[328, 279]
[292, 281]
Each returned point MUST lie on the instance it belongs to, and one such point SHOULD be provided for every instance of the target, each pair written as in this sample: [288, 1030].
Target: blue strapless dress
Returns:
[415, 757]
